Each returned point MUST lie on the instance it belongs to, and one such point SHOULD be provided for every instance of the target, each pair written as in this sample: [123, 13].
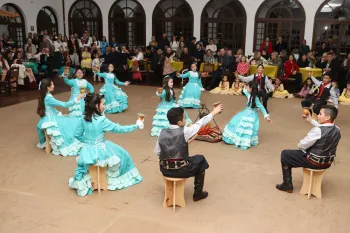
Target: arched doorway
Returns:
[173, 17]
[332, 25]
[14, 27]
[276, 18]
[225, 21]
[127, 22]
[85, 15]
[47, 20]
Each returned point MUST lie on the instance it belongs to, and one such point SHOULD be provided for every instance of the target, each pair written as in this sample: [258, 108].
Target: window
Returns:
[15, 26]
[224, 21]
[127, 23]
[173, 17]
[47, 20]
[332, 25]
[276, 18]
[85, 15]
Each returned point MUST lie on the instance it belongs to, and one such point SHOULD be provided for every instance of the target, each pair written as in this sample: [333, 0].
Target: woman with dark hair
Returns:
[168, 101]
[78, 86]
[104, 45]
[291, 70]
[303, 62]
[242, 130]
[58, 55]
[60, 128]
[121, 171]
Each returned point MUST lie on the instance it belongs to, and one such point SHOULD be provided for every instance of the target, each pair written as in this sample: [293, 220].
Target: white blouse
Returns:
[57, 45]
[174, 45]
[212, 47]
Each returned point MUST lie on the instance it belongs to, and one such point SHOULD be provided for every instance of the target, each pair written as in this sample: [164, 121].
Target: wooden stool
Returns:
[47, 142]
[98, 178]
[174, 192]
[312, 183]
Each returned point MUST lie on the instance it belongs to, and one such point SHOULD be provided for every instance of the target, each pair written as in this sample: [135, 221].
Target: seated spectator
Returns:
[302, 61]
[86, 62]
[4, 67]
[212, 47]
[275, 60]
[209, 57]
[180, 49]
[303, 48]
[186, 58]
[267, 46]
[243, 67]
[257, 59]
[32, 46]
[199, 54]
[174, 44]
[138, 54]
[291, 70]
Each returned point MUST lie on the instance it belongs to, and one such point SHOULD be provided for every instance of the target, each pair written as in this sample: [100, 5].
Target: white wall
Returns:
[30, 9]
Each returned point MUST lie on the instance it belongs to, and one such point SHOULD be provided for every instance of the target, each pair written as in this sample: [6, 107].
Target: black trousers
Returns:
[265, 98]
[306, 103]
[297, 158]
[196, 165]
[299, 79]
[216, 78]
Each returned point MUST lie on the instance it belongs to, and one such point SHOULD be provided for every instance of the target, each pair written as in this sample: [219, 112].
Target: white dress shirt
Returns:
[189, 131]
[138, 57]
[269, 87]
[314, 135]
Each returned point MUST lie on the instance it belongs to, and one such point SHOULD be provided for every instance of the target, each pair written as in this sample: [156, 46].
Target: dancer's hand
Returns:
[202, 89]
[140, 124]
[127, 83]
[81, 96]
[269, 120]
[217, 109]
[309, 117]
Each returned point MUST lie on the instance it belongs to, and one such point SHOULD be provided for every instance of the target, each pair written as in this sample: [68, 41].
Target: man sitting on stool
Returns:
[316, 151]
[172, 149]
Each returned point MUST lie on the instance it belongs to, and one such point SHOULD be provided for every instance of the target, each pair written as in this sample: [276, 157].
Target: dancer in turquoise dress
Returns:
[190, 96]
[115, 99]
[242, 130]
[78, 86]
[59, 128]
[167, 97]
[121, 171]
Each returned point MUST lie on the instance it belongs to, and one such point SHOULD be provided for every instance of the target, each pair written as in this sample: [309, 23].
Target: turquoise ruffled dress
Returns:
[242, 130]
[115, 99]
[160, 120]
[121, 171]
[190, 96]
[77, 110]
[60, 128]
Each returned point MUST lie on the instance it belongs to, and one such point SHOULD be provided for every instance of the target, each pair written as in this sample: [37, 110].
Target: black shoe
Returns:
[199, 196]
[198, 187]
[285, 187]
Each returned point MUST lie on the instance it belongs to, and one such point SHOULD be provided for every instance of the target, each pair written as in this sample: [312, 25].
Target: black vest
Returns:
[261, 83]
[173, 144]
[326, 146]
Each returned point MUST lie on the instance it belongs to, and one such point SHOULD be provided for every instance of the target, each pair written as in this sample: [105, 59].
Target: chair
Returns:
[312, 183]
[48, 145]
[14, 73]
[98, 178]
[5, 87]
[174, 192]
[208, 68]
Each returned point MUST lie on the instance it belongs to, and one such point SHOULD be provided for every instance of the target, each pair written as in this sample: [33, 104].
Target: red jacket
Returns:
[269, 48]
[289, 68]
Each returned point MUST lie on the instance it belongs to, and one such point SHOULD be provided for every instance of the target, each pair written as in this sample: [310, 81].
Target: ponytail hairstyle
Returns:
[91, 100]
[43, 85]
[253, 94]
[168, 96]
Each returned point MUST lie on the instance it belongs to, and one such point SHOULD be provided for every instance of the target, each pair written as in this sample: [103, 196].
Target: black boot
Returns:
[198, 187]
[287, 185]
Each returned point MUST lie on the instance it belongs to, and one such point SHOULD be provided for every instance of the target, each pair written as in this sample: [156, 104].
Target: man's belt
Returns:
[320, 160]
[174, 165]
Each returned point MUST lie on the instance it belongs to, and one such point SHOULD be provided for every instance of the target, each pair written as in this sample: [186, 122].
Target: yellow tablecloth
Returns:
[147, 66]
[270, 71]
[316, 72]
[202, 67]
[177, 66]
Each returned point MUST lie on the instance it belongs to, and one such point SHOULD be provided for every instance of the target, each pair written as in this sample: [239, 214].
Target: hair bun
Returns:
[88, 98]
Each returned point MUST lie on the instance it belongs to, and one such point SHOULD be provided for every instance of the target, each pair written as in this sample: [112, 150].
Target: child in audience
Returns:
[96, 66]
[223, 88]
[344, 99]
[308, 84]
[236, 87]
[334, 94]
[243, 66]
[279, 91]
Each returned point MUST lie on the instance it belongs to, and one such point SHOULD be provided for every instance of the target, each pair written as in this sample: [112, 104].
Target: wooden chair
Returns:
[174, 192]
[312, 183]
[14, 73]
[207, 68]
[48, 145]
[98, 178]
[5, 87]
